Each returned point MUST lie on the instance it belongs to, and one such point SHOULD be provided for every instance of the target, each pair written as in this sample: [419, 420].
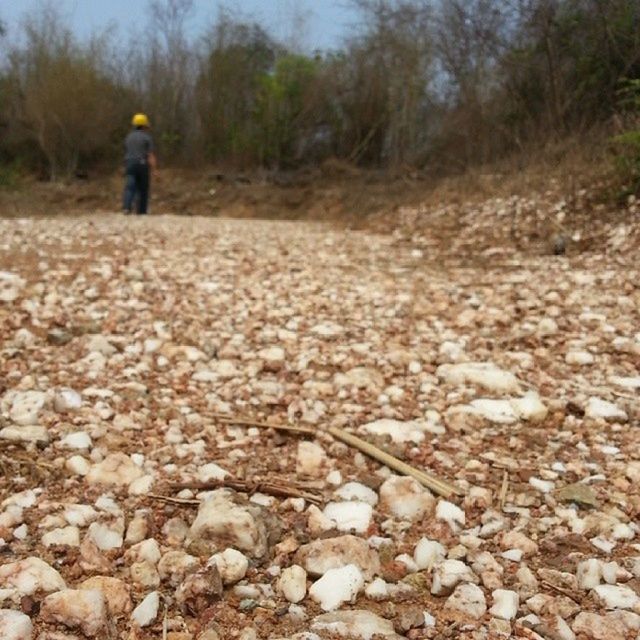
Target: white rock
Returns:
[67, 400]
[15, 625]
[311, 459]
[579, 358]
[30, 433]
[363, 625]
[211, 471]
[547, 327]
[616, 597]
[349, 516]
[141, 486]
[505, 604]
[598, 408]
[77, 609]
[589, 573]
[232, 565]
[116, 469]
[358, 492]
[30, 576]
[147, 611]
[467, 600]
[448, 574]
[293, 583]
[544, 486]
[221, 521]
[107, 536]
[450, 513]
[321, 555]
[377, 590]
[399, 432]
[145, 551]
[77, 440]
[115, 592]
[26, 407]
[498, 411]
[337, 586]
[530, 407]
[483, 374]
[405, 499]
[428, 553]
[69, 536]
[78, 465]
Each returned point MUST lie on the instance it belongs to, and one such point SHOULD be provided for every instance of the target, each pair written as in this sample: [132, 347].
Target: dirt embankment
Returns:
[542, 210]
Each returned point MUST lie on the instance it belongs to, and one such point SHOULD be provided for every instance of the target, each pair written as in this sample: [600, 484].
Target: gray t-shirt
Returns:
[138, 145]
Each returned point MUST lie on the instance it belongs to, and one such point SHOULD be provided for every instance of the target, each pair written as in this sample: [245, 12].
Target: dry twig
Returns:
[278, 488]
[436, 485]
[504, 488]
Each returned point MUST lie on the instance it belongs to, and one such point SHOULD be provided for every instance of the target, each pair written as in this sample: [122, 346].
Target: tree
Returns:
[61, 97]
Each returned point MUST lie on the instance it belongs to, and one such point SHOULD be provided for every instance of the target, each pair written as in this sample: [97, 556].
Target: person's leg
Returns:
[129, 191]
[143, 187]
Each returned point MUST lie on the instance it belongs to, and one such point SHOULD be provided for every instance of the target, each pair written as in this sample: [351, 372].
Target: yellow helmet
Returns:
[140, 120]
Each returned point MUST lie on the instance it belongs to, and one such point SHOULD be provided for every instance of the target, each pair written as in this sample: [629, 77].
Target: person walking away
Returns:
[139, 160]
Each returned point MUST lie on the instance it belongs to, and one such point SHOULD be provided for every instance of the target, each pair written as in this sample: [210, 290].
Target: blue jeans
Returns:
[136, 184]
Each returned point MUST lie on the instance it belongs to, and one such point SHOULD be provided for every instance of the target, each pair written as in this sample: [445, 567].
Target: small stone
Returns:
[349, 516]
[293, 584]
[26, 407]
[363, 625]
[30, 576]
[174, 566]
[337, 586]
[107, 536]
[147, 611]
[448, 574]
[117, 469]
[78, 465]
[451, 514]
[311, 460]
[355, 491]
[467, 600]
[68, 536]
[221, 522]
[320, 556]
[589, 574]
[115, 592]
[199, 590]
[578, 493]
[231, 564]
[428, 553]
[616, 597]
[405, 499]
[15, 625]
[77, 609]
[505, 604]
[598, 408]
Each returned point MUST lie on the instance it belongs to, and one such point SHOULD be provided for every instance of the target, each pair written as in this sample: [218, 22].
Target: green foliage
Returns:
[626, 145]
[281, 106]
[10, 174]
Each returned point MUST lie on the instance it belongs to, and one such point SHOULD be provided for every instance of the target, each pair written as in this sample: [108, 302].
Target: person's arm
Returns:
[153, 163]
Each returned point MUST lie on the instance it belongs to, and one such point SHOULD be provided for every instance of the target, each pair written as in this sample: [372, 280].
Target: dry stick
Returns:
[504, 488]
[431, 482]
[268, 487]
[436, 485]
[171, 500]
[247, 422]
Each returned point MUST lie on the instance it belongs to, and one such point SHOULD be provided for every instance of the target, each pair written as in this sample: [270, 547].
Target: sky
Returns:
[325, 21]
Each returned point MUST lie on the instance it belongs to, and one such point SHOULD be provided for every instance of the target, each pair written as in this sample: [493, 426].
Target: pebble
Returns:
[147, 611]
[337, 586]
[77, 609]
[293, 583]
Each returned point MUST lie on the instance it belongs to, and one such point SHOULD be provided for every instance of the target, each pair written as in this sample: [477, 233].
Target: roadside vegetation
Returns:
[418, 85]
